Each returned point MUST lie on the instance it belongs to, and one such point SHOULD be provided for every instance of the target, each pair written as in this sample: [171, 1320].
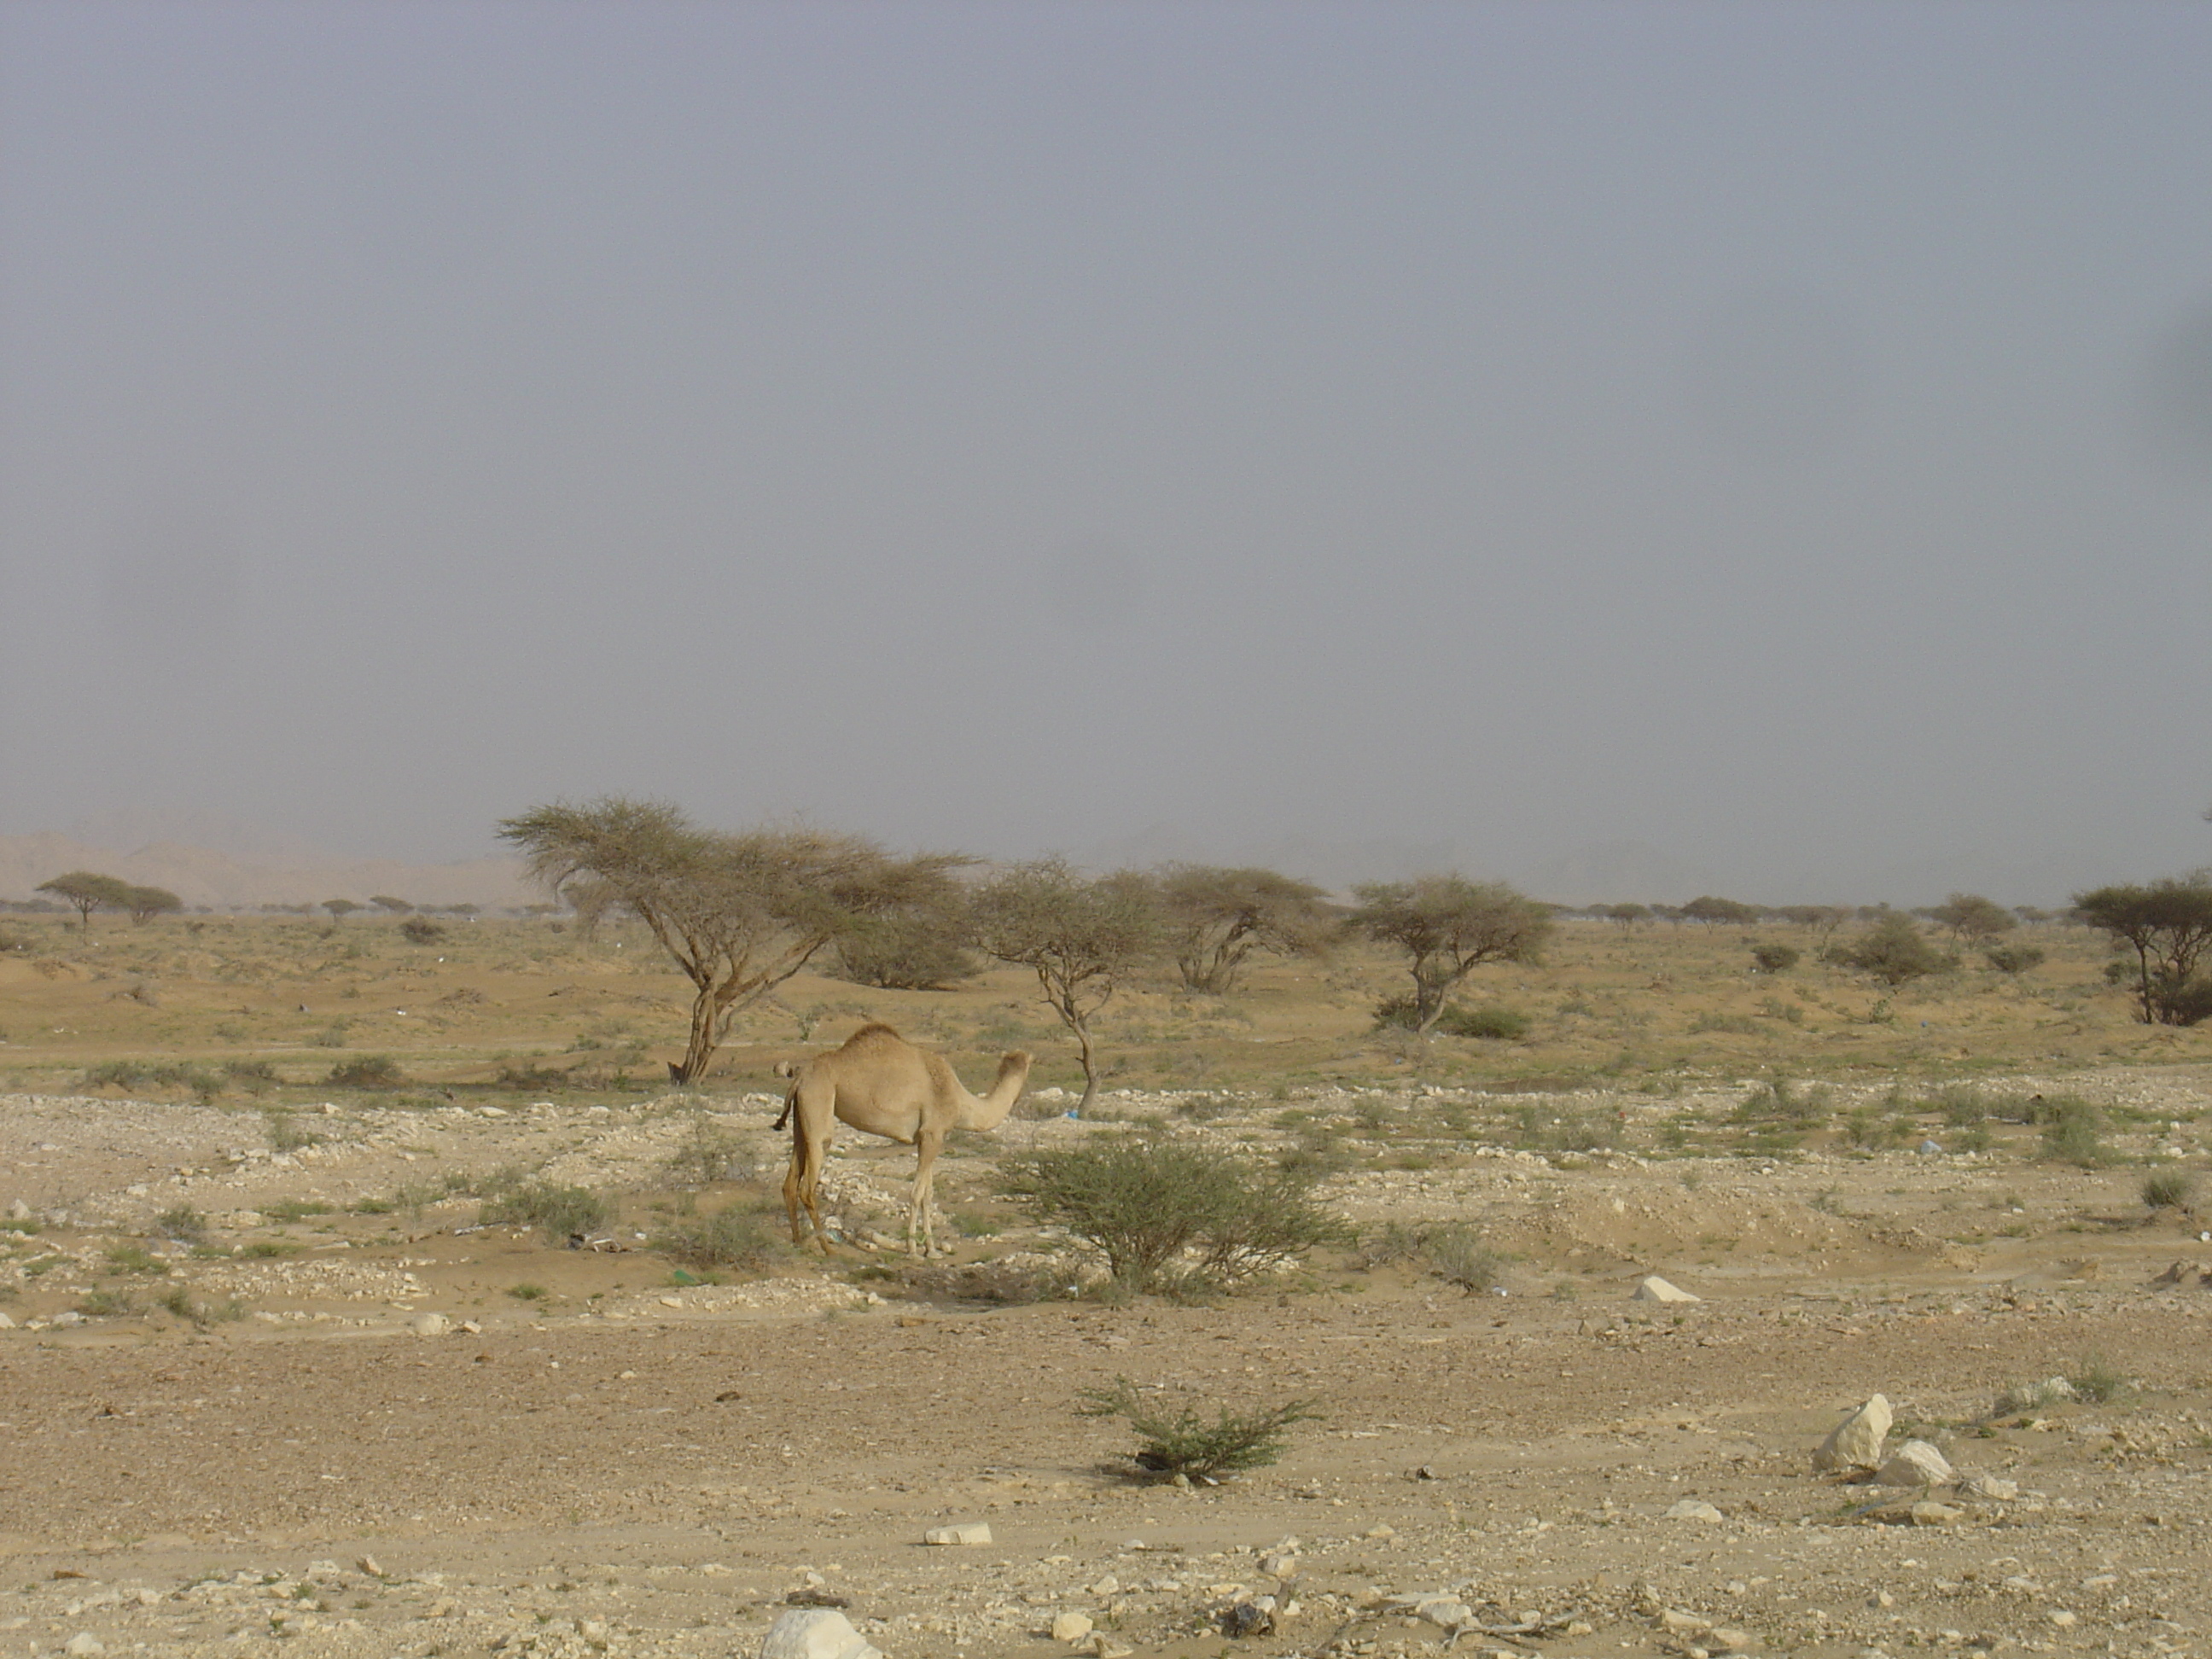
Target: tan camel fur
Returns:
[882, 1084]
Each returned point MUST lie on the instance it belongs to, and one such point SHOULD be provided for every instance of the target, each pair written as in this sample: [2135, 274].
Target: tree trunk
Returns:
[1089, 1069]
[699, 1052]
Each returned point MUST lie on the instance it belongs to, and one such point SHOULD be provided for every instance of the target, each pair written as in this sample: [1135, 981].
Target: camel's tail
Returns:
[785, 1068]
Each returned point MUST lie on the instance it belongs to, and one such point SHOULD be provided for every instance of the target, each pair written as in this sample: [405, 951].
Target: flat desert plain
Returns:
[270, 1382]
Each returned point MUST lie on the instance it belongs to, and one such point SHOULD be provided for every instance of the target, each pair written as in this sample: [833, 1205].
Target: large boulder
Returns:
[815, 1633]
[1855, 1443]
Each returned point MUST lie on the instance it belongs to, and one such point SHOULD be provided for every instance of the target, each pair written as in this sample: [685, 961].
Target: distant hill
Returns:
[225, 881]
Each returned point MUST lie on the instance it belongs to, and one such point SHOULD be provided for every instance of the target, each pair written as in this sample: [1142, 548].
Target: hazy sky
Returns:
[1770, 445]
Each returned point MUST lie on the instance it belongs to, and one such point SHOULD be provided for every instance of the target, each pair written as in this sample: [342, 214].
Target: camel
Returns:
[882, 1084]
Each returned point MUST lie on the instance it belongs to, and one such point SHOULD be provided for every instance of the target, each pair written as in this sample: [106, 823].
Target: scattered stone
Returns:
[815, 1633]
[1070, 1628]
[1684, 1624]
[1693, 1509]
[1931, 1513]
[971, 1532]
[1104, 1646]
[1249, 1616]
[6, 1324]
[1989, 1487]
[84, 1641]
[1721, 1638]
[19, 1210]
[1855, 1443]
[1655, 1289]
[430, 1324]
[370, 1565]
[1917, 1463]
[2064, 1620]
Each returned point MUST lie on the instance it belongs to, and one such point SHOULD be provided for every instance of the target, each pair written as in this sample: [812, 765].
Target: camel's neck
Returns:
[989, 1111]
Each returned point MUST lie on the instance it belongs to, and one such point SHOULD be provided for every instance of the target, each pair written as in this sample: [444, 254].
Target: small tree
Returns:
[1625, 916]
[738, 913]
[389, 905]
[85, 891]
[1080, 938]
[1216, 918]
[340, 909]
[144, 904]
[1970, 917]
[1450, 926]
[2168, 925]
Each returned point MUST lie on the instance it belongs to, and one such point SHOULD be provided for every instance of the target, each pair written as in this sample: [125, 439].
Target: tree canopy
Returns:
[738, 913]
[1971, 917]
[2168, 925]
[1080, 936]
[1449, 926]
[1216, 918]
[144, 904]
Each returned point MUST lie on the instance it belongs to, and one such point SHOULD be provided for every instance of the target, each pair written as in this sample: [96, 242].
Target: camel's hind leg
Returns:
[920, 1218]
[804, 1176]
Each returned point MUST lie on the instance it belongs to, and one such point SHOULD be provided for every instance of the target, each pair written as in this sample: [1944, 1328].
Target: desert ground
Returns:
[270, 1382]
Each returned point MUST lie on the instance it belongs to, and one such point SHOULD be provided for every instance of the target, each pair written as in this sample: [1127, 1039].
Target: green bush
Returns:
[284, 1135]
[709, 1152]
[369, 1072]
[560, 1212]
[416, 930]
[1457, 1255]
[916, 950]
[1774, 958]
[2169, 1189]
[737, 1237]
[1186, 1445]
[2072, 1131]
[1778, 1099]
[2013, 958]
[1494, 1025]
[1894, 950]
[1170, 1215]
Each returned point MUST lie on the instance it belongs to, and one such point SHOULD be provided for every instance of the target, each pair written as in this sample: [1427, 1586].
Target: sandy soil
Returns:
[389, 1453]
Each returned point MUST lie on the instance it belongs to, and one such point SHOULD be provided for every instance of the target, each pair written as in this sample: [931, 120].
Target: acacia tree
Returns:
[144, 904]
[87, 890]
[1450, 926]
[1971, 917]
[1714, 911]
[2168, 924]
[340, 909]
[1079, 937]
[1216, 918]
[740, 913]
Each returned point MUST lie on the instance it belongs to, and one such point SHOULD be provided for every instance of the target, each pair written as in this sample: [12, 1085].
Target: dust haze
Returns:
[1627, 451]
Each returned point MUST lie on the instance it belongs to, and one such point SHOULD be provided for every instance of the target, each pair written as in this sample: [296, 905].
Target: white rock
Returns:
[19, 1210]
[430, 1324]
[6, 1324]
[972, 1532]
[1655, 1289]
[1693, 1509]
[84, 1641]
[1855, 1443]
[1917, 1463]
[815, 1633]
[1447, 1612]
[1989, 1487]
[1070, 1628]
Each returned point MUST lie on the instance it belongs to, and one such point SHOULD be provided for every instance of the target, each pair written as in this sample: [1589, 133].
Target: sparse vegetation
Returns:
[1182, 1443]
[559, 1213]
[740, 1236]
[2169, 1189]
